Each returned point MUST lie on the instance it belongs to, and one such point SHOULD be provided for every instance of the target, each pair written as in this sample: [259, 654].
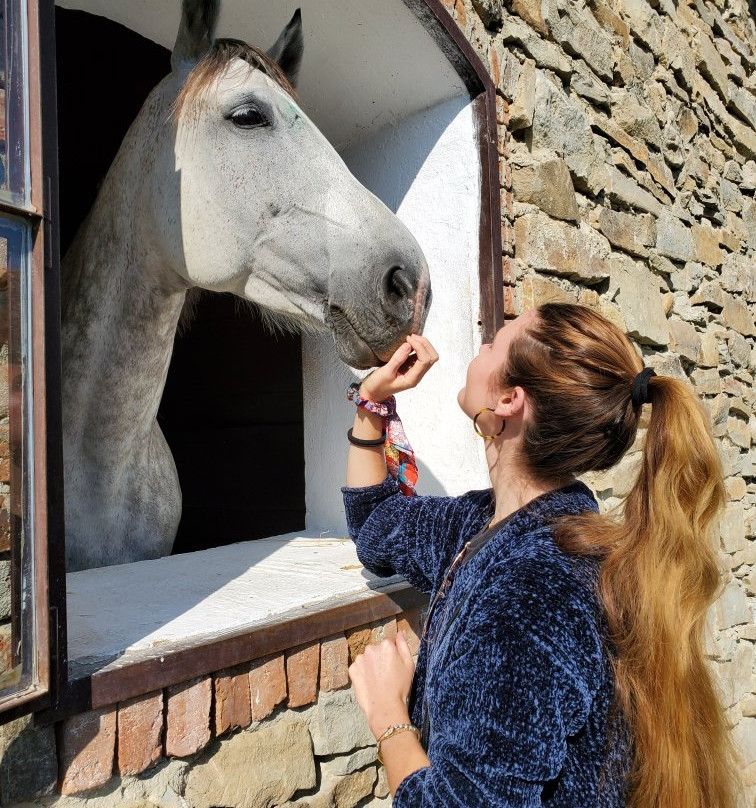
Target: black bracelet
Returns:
[361, 442]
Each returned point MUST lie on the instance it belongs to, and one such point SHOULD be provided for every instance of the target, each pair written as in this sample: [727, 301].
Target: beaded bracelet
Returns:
[394, 729]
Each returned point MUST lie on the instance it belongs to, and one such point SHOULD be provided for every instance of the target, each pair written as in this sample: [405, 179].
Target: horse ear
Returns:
[288, 48]
[196, 31]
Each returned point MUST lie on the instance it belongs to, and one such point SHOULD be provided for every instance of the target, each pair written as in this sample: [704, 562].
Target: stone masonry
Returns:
[628, 169]
[283, 730]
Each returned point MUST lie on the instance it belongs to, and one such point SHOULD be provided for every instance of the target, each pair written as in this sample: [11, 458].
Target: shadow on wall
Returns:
[389, 161]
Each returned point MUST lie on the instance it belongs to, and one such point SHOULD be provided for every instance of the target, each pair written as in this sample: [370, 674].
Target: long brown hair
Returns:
[659, 570]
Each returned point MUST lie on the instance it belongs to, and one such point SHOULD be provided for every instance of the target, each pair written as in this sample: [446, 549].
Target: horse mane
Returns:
[215, 61]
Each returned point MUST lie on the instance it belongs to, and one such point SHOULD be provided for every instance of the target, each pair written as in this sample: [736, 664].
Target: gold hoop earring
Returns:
[477, 428]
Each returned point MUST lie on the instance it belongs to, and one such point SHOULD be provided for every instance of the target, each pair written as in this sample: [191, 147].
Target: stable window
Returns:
[24, 239]
[398, 91]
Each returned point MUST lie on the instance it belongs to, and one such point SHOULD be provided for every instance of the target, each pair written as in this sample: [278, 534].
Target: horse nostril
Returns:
[398, 284]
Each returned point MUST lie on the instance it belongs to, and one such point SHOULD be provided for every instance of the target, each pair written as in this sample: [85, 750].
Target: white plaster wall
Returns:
[427, 170]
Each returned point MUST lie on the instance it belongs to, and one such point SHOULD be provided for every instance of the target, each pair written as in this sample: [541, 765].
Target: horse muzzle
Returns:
[367, 332]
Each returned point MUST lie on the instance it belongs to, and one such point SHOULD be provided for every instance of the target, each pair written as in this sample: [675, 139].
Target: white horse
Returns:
[223, 183]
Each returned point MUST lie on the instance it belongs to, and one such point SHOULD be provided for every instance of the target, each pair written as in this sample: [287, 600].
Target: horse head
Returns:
[268, 209]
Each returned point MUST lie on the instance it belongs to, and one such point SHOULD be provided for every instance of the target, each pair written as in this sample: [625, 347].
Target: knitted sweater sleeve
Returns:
[524, 672]
[413, 536]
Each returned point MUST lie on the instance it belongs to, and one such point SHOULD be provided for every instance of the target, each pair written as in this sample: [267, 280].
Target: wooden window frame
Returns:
[44, 371]
[113, 683]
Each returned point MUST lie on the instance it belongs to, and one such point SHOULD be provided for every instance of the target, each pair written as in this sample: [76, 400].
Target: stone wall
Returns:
[627, 148]
[280, 731]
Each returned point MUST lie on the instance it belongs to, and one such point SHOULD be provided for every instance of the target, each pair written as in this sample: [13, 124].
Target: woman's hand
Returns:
[410, 362]
[381, 678]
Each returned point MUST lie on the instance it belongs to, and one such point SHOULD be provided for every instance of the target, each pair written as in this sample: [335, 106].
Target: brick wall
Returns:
[627, 148]
[279, 731]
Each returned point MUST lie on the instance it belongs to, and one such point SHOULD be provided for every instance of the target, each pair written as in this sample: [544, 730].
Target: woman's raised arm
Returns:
[366, 464]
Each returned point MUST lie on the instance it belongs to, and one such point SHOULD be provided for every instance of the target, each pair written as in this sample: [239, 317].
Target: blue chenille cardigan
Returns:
[513, 687]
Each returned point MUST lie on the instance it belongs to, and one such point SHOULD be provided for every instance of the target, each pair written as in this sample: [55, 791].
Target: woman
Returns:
[561, 661]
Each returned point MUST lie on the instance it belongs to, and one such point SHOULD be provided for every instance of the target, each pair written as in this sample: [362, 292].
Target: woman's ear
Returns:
[511, 403]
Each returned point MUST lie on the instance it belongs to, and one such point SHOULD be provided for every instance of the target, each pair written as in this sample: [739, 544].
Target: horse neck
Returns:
[121, 306]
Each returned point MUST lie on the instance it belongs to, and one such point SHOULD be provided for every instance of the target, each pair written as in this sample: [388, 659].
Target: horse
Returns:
[222, 183]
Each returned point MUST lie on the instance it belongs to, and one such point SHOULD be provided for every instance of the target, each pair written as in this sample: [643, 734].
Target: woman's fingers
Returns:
[404, 650]
[400, 356]
[406, 367]
[425, 357]
[423, 348]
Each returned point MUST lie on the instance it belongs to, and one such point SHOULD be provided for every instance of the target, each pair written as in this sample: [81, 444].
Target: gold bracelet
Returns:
[394, 729]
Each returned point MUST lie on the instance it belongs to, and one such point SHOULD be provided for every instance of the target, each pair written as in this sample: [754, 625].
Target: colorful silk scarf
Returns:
[400, 459]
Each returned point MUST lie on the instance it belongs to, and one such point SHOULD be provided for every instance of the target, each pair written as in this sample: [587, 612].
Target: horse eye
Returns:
[248, 118]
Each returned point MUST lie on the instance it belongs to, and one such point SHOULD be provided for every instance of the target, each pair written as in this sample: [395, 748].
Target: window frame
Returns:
[69, 696]
[44, 369]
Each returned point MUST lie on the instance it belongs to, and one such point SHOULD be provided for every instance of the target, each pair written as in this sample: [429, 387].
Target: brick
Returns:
[511, 306]
[334, 663]
[358, 640]
[267, 685]
[140, 733]
[86, 745]
[4, 528]
[188, 717]
[384, 630]
[410, 624]
[502, 111]
[508, 271]
[507, 247]
[232, 702]
[6, 657]
[302, 666]
[494, 66]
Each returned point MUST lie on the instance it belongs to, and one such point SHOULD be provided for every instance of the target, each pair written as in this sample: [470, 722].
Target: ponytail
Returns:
[658, 577]
[659, 571]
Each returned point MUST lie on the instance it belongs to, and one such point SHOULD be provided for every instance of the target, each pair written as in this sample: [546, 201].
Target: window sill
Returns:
[139, 627]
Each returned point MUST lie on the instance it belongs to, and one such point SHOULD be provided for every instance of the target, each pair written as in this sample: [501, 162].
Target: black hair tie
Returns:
[640, 393]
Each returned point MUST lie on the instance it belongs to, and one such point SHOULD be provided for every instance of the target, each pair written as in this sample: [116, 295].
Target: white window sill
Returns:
[155, 611]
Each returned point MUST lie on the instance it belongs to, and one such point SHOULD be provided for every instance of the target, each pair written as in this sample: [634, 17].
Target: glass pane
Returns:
[16, 581]
[13, 113]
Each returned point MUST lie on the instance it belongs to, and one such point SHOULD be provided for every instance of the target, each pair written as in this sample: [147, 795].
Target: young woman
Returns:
[561, 661]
